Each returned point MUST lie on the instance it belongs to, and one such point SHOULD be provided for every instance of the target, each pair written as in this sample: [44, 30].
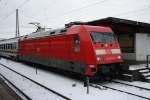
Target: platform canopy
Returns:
[119, 25]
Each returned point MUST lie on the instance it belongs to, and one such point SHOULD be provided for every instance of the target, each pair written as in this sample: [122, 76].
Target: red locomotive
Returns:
[82, 49]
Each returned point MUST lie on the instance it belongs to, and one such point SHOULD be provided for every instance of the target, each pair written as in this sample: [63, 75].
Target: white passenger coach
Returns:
[9, 47]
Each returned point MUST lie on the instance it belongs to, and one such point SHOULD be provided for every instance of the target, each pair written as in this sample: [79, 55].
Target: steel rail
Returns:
[27, 97]
[131, 85]
[57, 93]
[123, 91]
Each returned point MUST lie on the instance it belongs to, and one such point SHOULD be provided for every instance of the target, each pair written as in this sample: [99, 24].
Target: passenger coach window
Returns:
[14, 46]
[4, 46]
[11, 46]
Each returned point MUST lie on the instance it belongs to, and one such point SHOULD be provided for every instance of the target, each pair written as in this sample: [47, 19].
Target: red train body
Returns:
[83, 49]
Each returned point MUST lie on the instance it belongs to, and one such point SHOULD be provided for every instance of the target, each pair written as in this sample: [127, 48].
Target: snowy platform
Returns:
[58, 83]
[137, 67]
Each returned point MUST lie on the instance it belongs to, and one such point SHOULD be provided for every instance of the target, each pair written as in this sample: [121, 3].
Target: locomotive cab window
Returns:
[77, 42]
[104, 37]
[76, 38]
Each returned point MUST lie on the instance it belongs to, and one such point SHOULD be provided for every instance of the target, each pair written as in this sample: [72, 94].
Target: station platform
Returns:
[6, 93]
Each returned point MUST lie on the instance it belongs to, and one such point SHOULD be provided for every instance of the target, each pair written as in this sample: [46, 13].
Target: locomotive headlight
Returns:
[99, 58]
[119, 57]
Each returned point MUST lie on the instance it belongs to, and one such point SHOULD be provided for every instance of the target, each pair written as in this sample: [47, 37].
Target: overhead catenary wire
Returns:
[96, 3]
[81, 8]
[14, 10]
[68, 12]
[133, 11]
[74, 10]
[77, 9]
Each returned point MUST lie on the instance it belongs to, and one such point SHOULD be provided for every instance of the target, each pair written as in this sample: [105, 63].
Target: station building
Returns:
[134, 37]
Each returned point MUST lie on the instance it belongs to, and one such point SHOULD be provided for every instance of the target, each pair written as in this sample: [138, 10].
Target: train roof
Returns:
[45, 33]
[10, 40]
[60, 31]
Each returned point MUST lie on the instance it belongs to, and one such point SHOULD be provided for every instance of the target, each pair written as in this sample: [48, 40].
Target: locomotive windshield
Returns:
[103, 37]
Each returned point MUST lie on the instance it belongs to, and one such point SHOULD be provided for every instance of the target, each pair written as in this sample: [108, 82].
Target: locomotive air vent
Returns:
[63, 31]
[53, 32]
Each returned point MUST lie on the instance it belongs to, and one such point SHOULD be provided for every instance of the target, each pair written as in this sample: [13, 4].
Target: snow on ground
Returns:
[137, 83]
[58, 83]
[34, 91]
[136, 67]
[129, 89]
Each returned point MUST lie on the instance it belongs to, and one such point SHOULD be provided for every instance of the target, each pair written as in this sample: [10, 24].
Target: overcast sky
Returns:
[56, 13]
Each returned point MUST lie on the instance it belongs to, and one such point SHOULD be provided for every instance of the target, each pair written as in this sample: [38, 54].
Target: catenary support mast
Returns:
[17, 24]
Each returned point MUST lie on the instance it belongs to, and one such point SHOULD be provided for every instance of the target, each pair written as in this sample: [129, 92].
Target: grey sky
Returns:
[56, 13]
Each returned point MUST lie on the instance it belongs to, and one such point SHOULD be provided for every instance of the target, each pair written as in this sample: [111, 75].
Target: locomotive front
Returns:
[107, 51]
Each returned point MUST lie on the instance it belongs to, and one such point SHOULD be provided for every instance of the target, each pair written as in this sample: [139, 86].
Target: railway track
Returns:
[16, 88]
[137, 90]
[148, 89]
[101, 86]
[53, 91]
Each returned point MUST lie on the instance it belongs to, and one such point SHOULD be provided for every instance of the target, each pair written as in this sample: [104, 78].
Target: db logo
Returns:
[108, 52]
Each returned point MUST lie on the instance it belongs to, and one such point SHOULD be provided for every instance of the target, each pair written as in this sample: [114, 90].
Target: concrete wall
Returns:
[142, 46]
[129, 56]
